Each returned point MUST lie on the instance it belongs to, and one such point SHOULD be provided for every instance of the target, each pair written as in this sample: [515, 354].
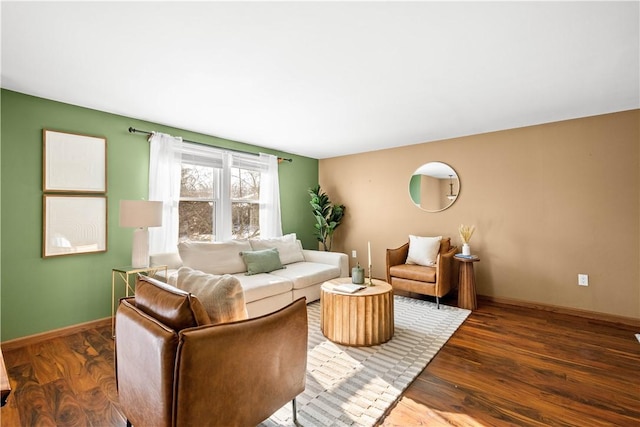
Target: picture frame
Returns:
[73, 163]
[73, 224]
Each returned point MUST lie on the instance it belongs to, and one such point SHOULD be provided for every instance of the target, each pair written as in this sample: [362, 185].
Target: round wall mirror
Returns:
[434, 186]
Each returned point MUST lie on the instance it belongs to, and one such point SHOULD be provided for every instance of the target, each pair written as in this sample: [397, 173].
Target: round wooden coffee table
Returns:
[363, 318]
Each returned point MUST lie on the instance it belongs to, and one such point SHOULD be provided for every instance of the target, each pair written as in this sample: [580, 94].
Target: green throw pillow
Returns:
[264, 261]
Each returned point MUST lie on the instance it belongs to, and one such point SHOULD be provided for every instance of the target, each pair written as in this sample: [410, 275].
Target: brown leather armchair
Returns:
[173, 368]
[435, 281]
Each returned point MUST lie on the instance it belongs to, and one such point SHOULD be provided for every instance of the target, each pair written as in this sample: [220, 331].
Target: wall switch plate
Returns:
[583, 279]
[353, 254]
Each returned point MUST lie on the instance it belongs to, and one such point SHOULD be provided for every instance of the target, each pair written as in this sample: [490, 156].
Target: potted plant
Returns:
[328, 216]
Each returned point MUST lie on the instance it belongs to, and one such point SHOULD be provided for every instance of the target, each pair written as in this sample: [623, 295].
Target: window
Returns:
[209, 194]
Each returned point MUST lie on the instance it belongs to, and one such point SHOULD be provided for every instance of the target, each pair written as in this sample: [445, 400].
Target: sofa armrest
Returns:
[396, 256]
[444, 270]
[447, 257]
[332, 258]
[170, 259]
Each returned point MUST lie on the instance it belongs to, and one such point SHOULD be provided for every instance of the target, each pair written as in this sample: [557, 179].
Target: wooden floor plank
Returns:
[66, 407]
[32, 403]
[73, 361]
[44, 361]
[99, 409]
[539, 369]
[426, 416]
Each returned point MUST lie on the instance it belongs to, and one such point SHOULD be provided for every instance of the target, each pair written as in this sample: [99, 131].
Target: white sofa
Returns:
[303, 273]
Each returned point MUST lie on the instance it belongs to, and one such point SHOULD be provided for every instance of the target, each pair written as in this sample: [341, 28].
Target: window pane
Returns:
[197, 182]
[246, 220]
[201, 207]
[196, 221]
[245, 184]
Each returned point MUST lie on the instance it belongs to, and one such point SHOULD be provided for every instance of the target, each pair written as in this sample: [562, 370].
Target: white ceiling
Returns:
[323, 79]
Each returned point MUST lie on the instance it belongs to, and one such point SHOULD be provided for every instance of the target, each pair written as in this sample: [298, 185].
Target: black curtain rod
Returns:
[280, 159]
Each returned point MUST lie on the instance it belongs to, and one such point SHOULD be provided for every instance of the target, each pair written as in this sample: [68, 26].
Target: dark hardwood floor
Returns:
[505, 366]
[513, 366]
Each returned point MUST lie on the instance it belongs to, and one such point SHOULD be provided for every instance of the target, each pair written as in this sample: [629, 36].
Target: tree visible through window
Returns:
[202, 206]
[198, 198]
[245, 203]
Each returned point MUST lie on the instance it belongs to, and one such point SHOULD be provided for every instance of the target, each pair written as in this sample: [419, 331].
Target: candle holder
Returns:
[369, 259]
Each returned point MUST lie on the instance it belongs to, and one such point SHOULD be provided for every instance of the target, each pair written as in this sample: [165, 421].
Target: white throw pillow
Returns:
[216, 257]
[221, 296]
[288, 247]
[423, 250]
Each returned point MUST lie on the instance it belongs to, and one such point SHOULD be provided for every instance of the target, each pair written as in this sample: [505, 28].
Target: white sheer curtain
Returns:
[164, 185]
[270, 219]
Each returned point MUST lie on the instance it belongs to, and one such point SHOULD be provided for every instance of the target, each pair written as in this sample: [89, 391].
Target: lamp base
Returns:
[140, 248]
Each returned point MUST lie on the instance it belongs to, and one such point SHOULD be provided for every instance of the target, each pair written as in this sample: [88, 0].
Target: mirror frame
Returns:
[435, 170]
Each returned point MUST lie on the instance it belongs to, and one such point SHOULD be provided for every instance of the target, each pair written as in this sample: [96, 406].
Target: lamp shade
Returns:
[140, 213]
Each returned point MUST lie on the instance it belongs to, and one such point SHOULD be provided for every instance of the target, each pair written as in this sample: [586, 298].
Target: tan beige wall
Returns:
[548, 202]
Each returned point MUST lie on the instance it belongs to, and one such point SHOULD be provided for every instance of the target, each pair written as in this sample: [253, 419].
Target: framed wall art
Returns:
[73, 163]
[73, 224]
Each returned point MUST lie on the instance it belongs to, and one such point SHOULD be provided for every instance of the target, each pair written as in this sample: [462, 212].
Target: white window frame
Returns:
[223, 162]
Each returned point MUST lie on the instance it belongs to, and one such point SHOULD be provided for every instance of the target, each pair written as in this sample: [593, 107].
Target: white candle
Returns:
[369, 251]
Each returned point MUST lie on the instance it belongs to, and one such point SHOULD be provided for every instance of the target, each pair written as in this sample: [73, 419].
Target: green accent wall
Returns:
[39, 295]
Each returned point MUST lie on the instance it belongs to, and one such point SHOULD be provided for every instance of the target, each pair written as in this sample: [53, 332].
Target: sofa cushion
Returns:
[262, 261]
[215, 257]
[263, 285]
[304, 274]
[414, 272]
[221, 296]
[288, 247]
[173, 307]
[423, 250]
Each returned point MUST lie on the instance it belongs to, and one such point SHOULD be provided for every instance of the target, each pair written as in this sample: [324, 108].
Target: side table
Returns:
[124, 273]
[467, 285]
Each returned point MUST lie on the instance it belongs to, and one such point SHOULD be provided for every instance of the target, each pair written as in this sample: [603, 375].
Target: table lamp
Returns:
[140, 214]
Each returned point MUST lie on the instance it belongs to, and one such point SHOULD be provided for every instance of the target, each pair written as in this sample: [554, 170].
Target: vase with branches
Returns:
[466, 231]
[328, 216]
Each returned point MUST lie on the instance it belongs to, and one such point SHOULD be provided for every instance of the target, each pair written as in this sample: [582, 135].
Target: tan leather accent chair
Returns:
[174, 368]
[434, 281]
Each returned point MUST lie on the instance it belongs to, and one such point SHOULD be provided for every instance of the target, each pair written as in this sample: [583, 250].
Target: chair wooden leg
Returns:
[438, 302]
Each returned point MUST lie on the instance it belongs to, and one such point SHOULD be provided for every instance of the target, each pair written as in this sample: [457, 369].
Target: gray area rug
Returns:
[354, 386]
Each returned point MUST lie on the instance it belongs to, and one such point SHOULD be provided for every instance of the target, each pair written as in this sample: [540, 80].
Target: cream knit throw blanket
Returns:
[221, 296]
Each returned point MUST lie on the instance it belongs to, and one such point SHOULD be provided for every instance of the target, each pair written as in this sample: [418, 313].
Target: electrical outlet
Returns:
[583, 279]
[353, 254]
